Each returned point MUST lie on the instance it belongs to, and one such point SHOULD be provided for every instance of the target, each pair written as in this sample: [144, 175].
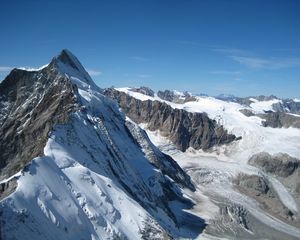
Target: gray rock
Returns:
[7, 188]
[236, 222]
[280, 164]
[259, 188]
[287, 105]
[30, 104]
[245, 100]
[184, 129]
[254, 185]
[280, 119]
[143, 90]
[265, 98]
[247, 112]
[160, 160]
[171, 96]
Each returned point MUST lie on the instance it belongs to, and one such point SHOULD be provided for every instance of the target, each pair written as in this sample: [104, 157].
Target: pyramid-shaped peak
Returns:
[67, 63]
[69, 59]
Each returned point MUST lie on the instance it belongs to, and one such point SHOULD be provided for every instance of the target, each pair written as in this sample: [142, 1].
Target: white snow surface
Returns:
[296, 100]
[31, 69]
[212, 173]
[79, 75]
[262, 106]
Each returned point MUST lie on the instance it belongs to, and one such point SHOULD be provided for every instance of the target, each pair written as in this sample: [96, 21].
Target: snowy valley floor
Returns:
[229, 213]
[212, 173]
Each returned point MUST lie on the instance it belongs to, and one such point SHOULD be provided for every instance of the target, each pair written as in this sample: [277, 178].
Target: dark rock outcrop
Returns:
[265, 98]
[283, 106]
[143, 90]
[171, 96]
[30, 104]
[280, 119]
[8, 187]
[275, 119]
[259, 188]
[184, 129]
[287, 105]
[281, 164]
[247, 112]
[245, 100]
[254, 185]
[284, 168]
[160, 160]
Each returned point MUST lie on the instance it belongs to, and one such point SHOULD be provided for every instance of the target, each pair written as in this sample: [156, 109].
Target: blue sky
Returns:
[216, 46]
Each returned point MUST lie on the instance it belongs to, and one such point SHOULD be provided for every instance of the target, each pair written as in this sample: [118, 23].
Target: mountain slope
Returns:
[89, 173]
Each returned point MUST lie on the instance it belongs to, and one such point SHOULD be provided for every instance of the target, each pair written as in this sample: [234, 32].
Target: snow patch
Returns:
[263, 106]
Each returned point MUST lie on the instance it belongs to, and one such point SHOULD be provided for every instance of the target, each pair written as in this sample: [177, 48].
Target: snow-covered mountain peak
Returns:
[73, 167]
[68, 58]
[68, 64]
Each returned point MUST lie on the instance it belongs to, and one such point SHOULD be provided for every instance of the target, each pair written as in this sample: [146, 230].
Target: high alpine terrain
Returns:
[81, 162]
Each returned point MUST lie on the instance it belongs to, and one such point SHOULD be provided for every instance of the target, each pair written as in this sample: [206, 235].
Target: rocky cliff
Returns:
[280, 119]
[184, 129]
[31, 103]
[176, 97]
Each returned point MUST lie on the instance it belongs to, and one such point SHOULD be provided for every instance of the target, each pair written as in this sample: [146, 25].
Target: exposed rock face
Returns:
[265, 98]
[30, 104]
[259, 188]
[172, 96]
[7, 188]
[281, 165]
[284, 106]
[184, 129]
[160, 160]
[247, 112]
[143, 90]
[236, 222]
[275, 119]
[254, 185]
[245, 100]
[287, 105]
[280, 119]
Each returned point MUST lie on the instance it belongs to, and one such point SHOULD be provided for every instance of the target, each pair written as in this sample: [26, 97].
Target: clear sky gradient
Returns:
[238, 47]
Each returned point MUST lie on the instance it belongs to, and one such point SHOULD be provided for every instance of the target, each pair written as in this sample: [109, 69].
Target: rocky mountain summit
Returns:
[31, 104]
[72, 166]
